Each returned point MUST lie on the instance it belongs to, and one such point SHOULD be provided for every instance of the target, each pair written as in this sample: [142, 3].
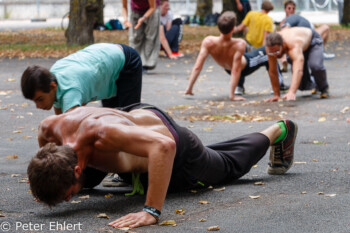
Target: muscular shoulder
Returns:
[210, 41]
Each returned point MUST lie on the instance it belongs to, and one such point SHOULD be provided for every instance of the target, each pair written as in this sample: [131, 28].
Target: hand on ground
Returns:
[273, 99]
[289, 96]
[134, 220]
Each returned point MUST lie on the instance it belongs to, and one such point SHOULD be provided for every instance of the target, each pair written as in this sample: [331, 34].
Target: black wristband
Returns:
[152, 211]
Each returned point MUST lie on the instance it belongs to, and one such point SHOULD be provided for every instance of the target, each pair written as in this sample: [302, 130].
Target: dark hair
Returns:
[36, 78]
[51, 173]
[226, 22]
[267, 6]
[286, 3]
[274, 39]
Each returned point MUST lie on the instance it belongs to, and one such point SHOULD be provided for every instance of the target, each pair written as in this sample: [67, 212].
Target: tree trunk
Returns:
[82, 15]
[204, 7]
[346, 13]
[99, 14]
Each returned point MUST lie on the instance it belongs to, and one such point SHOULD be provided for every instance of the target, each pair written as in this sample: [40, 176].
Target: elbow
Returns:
[167, 147]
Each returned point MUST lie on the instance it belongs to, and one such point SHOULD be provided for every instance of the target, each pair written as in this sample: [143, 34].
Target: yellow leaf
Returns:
[168, 222]
[27, 137]
[320, 193]
[207, 129]
[317, 142]
[303, 192]
[322, 119]
[202, 220]
[85, 197]
[331, 195]
[102, 215]
[12, 156]
[255, 197]
[109, 195]
[15, 175]
[17, 131]
[345, 109]
[213, 228]
[203, 202]
[259, 183]
[181, 212]
[75, 202]
[299, 162]
[220, 189]
[23, 180]
[11, 80]
[1, 215]
[193, 191]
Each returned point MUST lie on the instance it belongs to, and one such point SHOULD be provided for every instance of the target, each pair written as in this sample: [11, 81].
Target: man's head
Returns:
[39, 85]
[164, 7]
[267, 6]
[54, 175]
[289, 7]
[274, 45]
[226, 22]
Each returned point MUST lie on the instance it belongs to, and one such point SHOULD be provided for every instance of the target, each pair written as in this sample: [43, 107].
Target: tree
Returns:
[82, 15]
[231, 5]
[204, 7]
[346, 13]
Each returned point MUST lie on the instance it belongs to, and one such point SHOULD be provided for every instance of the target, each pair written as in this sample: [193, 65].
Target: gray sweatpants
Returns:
[145, 40]
[314, 62]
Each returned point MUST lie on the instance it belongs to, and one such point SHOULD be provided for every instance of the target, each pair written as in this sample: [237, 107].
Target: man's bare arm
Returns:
[160, 151]
[125, 14]
[203, 53]
[296, 54]
[239, 28]
[273, 73]
[236, 71]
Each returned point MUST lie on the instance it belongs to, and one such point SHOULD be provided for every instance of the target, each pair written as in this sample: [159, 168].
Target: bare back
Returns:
[82, 128]
[297, 37]
[223, 50]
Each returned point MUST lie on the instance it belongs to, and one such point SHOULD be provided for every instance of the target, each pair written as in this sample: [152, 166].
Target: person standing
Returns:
[144, 29]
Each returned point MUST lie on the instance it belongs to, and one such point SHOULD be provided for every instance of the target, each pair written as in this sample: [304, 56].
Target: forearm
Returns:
[297, 74]
[193, 78]
[160, 167]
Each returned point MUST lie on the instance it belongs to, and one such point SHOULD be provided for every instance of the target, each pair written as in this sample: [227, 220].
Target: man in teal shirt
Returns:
[108, 72]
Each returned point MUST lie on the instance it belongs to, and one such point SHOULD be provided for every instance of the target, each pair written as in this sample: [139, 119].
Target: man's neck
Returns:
[226, 37]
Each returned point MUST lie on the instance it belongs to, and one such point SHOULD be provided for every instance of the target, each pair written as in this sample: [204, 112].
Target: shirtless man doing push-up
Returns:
[143, 139]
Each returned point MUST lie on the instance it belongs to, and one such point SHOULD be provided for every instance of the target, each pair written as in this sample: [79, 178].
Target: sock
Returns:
[283, 131]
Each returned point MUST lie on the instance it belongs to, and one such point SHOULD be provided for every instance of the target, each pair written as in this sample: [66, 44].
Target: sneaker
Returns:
[328, 56]
[324, 94]
[177, 54]
[282, 153]
[239, 90]
[284, 87]
[114, 180]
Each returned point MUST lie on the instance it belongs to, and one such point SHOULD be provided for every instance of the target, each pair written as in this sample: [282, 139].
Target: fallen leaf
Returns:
[17, 131]
[102, 215]
[254, 166]
[314, 160]
[345, 109]
[85, 197]
[12, 156]
[207, 129]
[27, 137]
[23, 180]
[1, 215]
[219, 189]
[255, 197]
[202, 220]
[109, 195]
[168, 223]
[322, 119]
[193, 191]
[317, 142]
[303, 192]
[299, 162]
[259, 183]
[124, 228]
[75, 202]
[213, 228]
[181, 212]
[203, 202]
[331, 195]
[15, 175]
[11, 80]
[320, 193]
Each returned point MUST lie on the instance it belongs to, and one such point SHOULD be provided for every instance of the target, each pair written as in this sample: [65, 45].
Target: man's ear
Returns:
[53, 85]
[77, 171]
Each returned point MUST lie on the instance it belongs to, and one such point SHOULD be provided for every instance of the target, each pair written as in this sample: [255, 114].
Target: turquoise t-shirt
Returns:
[88, 75]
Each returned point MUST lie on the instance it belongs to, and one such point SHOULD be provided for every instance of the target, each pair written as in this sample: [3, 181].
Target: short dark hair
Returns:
[36, 78]
[286, 3]
[274, 39]
[226, 22]
[267, 6]
[51, 173]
